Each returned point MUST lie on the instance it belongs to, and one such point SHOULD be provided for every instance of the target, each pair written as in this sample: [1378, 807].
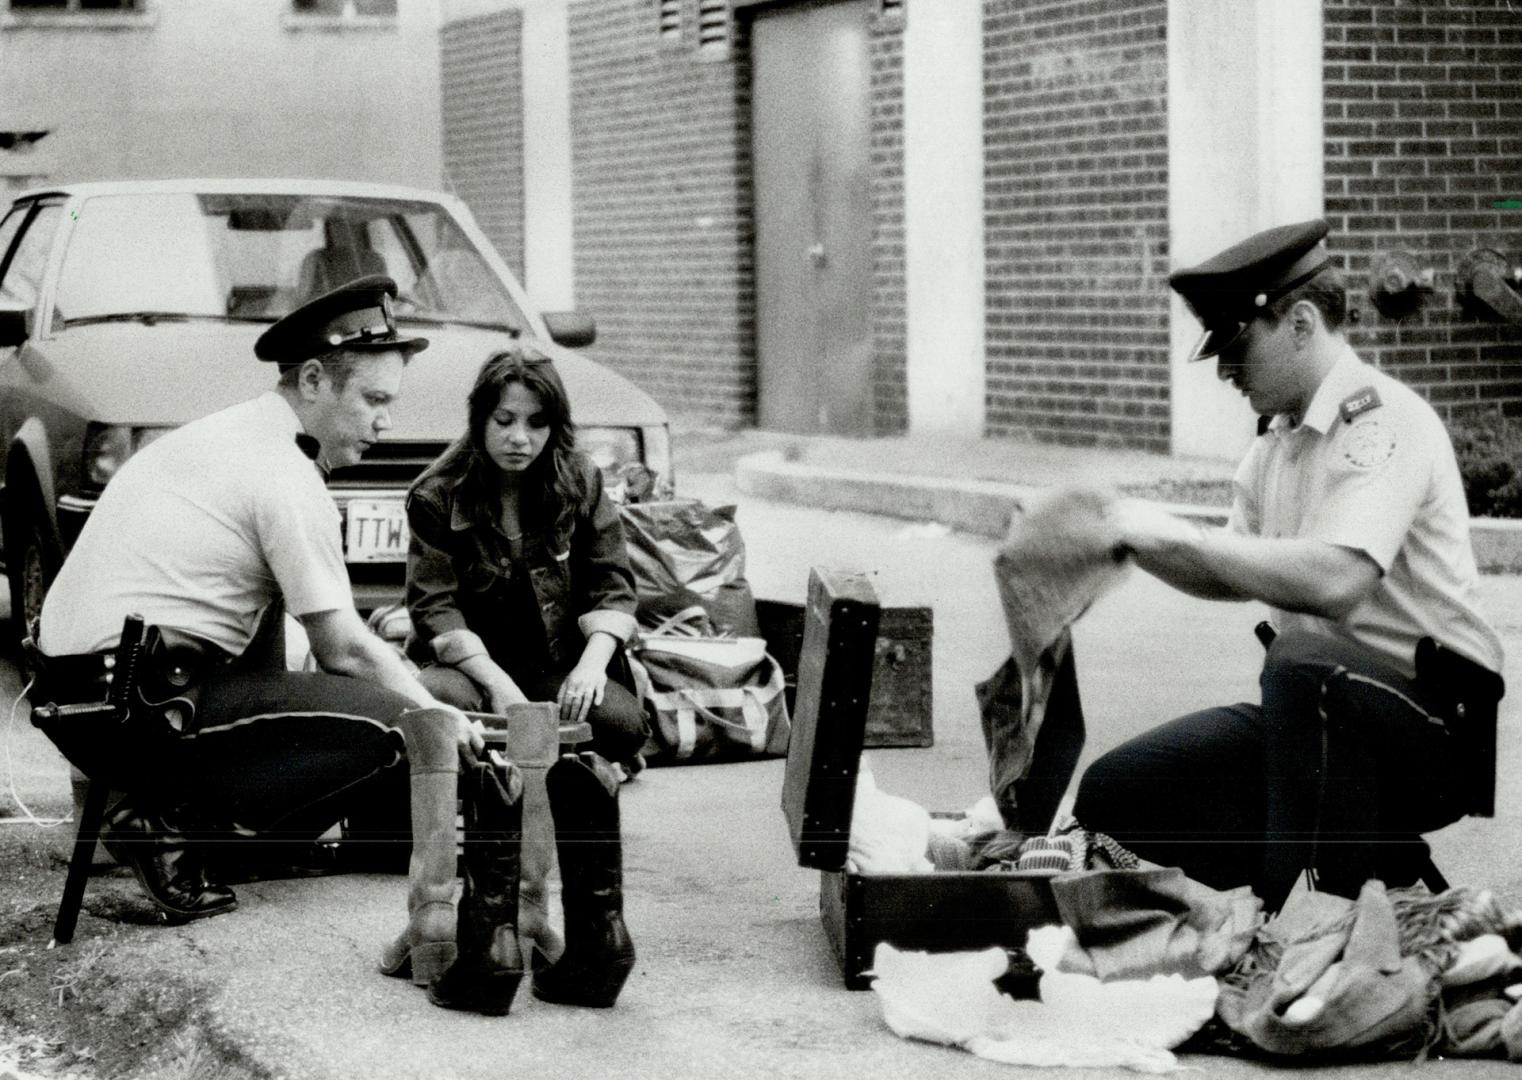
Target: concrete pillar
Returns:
[1244, 154]
[548, 253]
[548, 240]
[943, 216]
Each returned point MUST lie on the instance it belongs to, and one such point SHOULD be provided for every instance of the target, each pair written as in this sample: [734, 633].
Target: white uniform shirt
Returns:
[200, 531]
[1370, 467]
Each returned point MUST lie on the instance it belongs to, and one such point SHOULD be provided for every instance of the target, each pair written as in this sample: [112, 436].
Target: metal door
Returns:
[811, 158]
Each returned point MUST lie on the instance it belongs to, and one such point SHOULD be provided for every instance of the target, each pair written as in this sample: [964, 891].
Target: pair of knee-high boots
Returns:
[471, 958]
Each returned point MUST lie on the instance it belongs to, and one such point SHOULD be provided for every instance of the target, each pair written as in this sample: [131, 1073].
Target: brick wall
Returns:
[1076, 175]
[890, 396]
[481, 89]
[1423, 108]
[660, 157]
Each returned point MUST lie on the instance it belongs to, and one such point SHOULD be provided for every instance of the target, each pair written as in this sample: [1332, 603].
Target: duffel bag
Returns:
[711, 698]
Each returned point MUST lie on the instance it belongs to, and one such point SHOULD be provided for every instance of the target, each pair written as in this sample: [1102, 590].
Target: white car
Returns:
[129, 308]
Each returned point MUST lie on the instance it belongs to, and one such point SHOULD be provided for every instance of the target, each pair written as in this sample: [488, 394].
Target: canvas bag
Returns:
[684, 553]
[712, 698]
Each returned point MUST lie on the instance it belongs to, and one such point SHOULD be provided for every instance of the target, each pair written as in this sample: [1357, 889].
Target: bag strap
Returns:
[685, 623]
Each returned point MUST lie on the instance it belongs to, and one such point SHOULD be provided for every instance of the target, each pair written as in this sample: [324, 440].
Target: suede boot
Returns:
[599, 954]
[537, 936]
[427, 947]
[486, 973]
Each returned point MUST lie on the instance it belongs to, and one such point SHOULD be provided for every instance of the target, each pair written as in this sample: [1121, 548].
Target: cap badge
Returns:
[1261, 300]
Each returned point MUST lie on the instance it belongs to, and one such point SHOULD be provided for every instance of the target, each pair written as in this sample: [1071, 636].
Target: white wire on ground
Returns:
[10, 776]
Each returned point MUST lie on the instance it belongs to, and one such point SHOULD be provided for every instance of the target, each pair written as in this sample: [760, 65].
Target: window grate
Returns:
[713, 25]
[669, 20]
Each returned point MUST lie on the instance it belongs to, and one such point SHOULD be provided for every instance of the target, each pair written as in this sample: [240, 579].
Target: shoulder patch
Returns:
[1359, 402]
[1368, 444]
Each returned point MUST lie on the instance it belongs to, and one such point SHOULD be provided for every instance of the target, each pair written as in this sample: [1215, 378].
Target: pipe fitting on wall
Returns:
[1398, 284]
[1488, 286]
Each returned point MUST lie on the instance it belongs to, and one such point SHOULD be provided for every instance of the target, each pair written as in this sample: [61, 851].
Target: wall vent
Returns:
[669, 20]
[714, 27]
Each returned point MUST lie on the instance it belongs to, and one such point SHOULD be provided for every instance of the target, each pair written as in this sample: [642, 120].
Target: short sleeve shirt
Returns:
[1370, 468]
[202, 530]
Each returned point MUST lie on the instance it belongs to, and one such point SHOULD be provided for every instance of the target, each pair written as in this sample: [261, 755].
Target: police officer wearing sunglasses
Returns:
[1375, 722]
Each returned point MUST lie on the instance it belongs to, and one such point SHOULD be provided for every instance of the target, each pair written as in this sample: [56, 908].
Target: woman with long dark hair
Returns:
[518, 583]
[519, 589]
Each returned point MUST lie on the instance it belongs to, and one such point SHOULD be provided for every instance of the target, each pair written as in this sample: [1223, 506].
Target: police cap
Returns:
[1229, 290]
[355, 316]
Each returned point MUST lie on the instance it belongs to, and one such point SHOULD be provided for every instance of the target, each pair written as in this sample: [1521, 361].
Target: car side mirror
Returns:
[570, 328]
[15, 323]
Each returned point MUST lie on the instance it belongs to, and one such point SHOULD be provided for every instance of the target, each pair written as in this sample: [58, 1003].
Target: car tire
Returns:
[31, 564]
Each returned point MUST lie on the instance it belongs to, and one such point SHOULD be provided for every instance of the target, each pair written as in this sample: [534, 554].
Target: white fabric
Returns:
[889, 834]
[201, 530]
[979, 818]
[1385, 483]
[950, 998]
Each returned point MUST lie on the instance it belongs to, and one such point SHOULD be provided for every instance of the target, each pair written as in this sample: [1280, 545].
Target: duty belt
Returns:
[152, 679]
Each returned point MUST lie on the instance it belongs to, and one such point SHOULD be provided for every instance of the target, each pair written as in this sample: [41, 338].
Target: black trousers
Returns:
[272, 755]
[1340, 767]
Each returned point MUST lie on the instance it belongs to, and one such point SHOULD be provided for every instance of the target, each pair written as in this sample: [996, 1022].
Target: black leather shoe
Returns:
[160, 859]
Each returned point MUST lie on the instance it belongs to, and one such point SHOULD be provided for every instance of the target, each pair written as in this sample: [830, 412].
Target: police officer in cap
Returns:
[205, 533]
[1375, 722]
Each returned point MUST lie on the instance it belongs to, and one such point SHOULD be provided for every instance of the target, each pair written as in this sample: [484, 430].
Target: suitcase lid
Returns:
[840, 623]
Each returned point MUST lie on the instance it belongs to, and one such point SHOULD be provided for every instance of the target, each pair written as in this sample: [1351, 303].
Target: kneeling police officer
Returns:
[204, 533]
[1379, 688]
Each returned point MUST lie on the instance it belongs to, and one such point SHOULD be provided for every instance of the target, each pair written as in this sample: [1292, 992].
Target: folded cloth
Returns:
[1481, 959]
[1339, 985]
[1511, 1033]
[1154, 921]
[1471, 1027]
[949, 998]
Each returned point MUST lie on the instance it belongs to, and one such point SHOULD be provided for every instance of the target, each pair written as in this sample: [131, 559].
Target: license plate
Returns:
[375, 530]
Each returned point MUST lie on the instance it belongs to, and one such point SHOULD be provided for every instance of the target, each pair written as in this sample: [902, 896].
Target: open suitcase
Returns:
[936, 912]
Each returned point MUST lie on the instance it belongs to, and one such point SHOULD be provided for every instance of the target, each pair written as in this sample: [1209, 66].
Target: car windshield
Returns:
[184, 255]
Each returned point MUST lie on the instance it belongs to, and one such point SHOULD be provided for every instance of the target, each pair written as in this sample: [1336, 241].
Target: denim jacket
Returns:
[461, 578]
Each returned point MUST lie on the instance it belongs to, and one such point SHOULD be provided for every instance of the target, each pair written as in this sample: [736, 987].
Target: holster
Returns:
[1468, 695]
[149, 685]
[173, 667]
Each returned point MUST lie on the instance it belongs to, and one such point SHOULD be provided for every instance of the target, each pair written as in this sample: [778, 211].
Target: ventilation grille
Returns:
[713, 25]
[669, 20]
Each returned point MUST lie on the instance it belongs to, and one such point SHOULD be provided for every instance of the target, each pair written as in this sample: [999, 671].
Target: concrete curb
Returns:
[983, 507]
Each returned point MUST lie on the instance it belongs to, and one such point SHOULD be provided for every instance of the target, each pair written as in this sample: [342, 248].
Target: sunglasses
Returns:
[1219, 337]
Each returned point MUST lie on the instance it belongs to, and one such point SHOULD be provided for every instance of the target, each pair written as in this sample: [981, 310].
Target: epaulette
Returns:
[1359, 402]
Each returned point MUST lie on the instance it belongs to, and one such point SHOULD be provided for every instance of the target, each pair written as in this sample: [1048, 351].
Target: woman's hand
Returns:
[582, 689]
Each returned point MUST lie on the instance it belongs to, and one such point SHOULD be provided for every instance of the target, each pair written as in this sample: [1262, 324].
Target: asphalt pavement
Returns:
[735, 977]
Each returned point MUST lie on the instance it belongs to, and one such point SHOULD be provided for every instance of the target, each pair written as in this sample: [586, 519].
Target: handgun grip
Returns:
[129, 652]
